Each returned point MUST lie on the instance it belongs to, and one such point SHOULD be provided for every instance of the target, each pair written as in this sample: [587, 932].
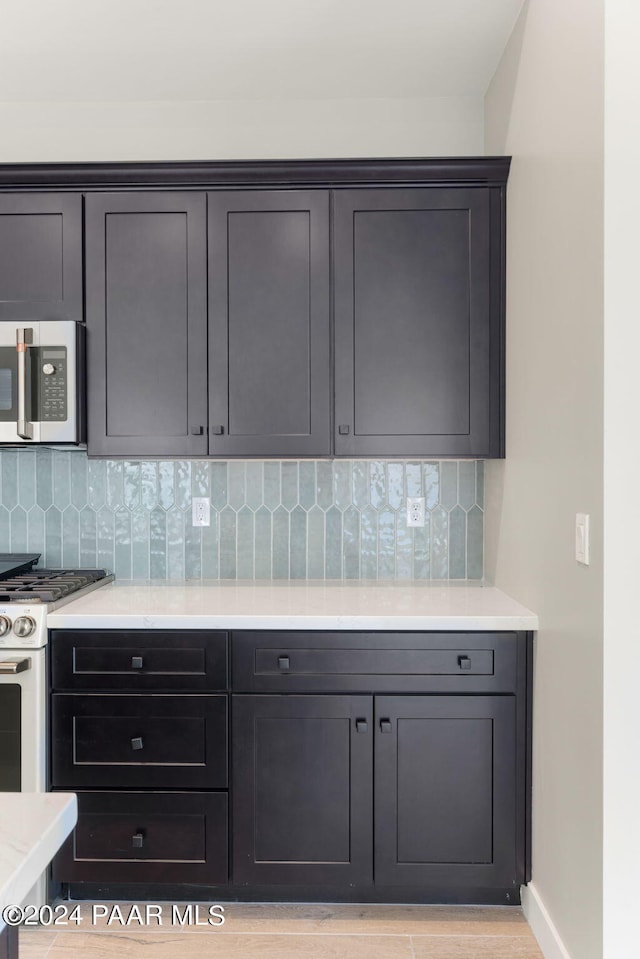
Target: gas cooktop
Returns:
[20, 583]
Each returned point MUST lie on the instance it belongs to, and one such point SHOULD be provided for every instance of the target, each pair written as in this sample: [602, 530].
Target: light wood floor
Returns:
[294, 932]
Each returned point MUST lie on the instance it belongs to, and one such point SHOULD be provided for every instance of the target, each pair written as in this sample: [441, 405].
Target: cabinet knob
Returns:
[284, 662]
[385, 725]
[137, 840]
[136, 742]
[136, 662]
[464, 662]
[197, 430]
[217, 430]
[343, 429]
[362, 726]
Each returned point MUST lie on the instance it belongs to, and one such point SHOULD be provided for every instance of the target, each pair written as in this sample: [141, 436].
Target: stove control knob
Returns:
[5, 625]
[24, 626]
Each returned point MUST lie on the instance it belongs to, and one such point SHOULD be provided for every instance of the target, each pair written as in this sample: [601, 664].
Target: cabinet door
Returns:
[269, 323]
[417, 324]
[445, 791]
[302, 789]
[41, 256]
[146, 322]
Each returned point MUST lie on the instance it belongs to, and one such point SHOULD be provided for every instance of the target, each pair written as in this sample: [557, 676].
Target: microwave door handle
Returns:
[24, 339]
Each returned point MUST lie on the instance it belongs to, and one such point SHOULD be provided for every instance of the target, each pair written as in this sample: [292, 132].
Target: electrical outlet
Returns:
[201, 511]
[415, 510]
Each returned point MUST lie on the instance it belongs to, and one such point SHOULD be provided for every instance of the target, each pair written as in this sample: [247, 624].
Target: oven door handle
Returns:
[24, 339]
[9, 667]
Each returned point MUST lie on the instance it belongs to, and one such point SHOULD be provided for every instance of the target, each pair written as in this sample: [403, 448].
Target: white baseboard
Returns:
[541, 924]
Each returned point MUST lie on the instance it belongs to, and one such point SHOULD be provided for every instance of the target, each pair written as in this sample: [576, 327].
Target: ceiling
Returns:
[90, 50]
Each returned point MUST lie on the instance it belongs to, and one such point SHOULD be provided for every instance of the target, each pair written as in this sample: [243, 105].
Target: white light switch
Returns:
[582, 538]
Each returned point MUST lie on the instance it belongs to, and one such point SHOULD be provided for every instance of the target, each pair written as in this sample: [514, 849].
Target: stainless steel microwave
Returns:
[42, 382]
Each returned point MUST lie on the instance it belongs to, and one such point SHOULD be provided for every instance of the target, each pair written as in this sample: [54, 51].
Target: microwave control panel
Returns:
[52, 383]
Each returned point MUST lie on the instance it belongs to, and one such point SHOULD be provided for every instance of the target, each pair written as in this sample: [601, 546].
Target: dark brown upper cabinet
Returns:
[418, 352]
[41, 256]
[146, 287]
[269, 299]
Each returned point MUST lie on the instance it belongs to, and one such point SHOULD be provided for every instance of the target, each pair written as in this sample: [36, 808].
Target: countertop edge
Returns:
[60, 620]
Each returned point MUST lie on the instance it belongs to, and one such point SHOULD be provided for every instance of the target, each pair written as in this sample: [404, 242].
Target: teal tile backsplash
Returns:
[269, 519]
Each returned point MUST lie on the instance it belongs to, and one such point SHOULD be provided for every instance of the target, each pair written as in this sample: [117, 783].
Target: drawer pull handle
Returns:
[137, 840]
[385, 725]
[283, 662]
[136, 742]
[464, 662]
[136, 662]
[362, 726]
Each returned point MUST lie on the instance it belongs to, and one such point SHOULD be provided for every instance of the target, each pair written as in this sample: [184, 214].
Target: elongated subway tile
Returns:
[473, 947]
[466, 483]
[324, 484]
[78, 470]
[88, 537]
[404, 549]
[132, 484]
[421, 539]
[280, 544]
[360, 480]
[272, 484]
[253, 483]
[439, 543]
[457, 543]
[298, 544]
[228, 543]
[140, 543]
[387, 544]
[27, 479]
[166, 484]
[245, 533]
[44, 478]
[115, 483]
[342, 483]
[369, 543]
[480, 473]
[18, 530]
[5, 528]
[9, 478]
[200, 478]
[106, 538]
[71, 537]
[122, 550]
[351, 542]
[315, 543]
[413, 476]
[236, 476]
[211, 547]
[53, 537]
[475, 537]
[395, 485]
[289, 484]
[219, 484]
[158, 543]
[431, 484]
[448, 483]
[61, 478]
[175, 543]
[149, 485]
[183, 484]
[192, 550]
[333, 543]
[377, 484]
[262, 543]
[35, 526]
[307, 481]
[96, 483]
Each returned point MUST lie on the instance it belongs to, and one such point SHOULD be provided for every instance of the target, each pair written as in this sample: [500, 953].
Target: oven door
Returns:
[23, 731]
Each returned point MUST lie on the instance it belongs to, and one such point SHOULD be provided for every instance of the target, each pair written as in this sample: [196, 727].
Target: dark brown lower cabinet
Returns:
[9, 943]
[147, 837]
[302, 782]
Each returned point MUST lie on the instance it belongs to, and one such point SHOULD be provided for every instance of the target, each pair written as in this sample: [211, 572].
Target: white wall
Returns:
[545, 107]
[241, 129]
[622, 469]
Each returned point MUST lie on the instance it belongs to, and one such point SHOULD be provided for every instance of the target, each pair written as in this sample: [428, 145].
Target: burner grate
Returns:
[47, 585]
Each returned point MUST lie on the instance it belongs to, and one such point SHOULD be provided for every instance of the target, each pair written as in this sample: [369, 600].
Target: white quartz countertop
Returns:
[33, 826]
[305, 604]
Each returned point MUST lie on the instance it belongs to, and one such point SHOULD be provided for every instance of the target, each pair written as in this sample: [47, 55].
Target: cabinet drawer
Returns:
[146, 837]
[139, 659]
[153, 741]
[357, 661]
